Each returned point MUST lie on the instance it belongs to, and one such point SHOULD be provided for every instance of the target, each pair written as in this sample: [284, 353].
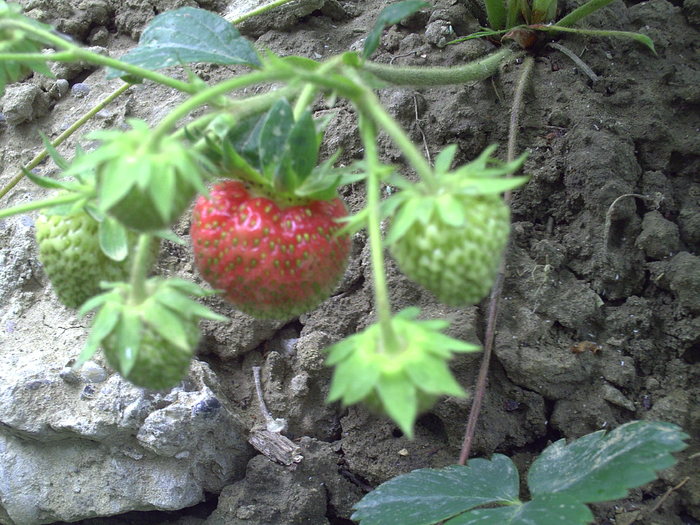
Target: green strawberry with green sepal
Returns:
[149, 342]
[73, 258]
[144, 183]
[401, 378]
[448, 235]
[159, 363]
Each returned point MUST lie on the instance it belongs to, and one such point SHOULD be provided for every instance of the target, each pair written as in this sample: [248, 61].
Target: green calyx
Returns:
[442, 197]
[401, 381]
[146, 184]
[274, 153]
[150, 343]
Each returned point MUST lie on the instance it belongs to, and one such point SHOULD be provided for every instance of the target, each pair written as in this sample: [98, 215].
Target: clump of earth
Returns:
[599, 323]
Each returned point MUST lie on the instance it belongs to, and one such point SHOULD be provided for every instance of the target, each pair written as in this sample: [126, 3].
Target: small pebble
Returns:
[80, 89]
[62, 86]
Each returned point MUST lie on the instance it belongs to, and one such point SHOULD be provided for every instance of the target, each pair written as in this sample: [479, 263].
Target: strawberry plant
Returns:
[268, 230]
[524, 20]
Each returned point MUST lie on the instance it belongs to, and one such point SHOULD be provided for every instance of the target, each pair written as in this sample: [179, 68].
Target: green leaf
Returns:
[642, 39]
[104, 323]
[58, 159]
[181, 304]
[274, 133]
[451, 210]
[114, 242]
[426, 496]
[128, 336]
[550, 509]
[398, 396]
[189, 35]
[412, 209]
[432, 375]
[301, 150]
[353, 379]
[167, 324]
[582, 12]
[603, 466]
[47, 182]
[443, 162]
[496, 13]
[392, 14]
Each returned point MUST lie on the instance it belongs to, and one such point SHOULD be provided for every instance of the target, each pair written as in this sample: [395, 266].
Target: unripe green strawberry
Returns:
[456, 263]
[159, 363]
[70, 251]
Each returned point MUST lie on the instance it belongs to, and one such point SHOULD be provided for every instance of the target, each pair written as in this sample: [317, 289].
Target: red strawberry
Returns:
[271, 260]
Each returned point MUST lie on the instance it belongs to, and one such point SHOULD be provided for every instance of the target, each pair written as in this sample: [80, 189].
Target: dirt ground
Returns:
[622, 283]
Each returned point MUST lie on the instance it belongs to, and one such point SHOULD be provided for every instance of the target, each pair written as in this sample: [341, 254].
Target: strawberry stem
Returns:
[439, 75]
[140, 268]
[37, 205]
[369, 105]
[381, 295]
[205, 96]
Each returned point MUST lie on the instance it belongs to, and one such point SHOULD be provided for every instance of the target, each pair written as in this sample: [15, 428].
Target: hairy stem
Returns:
[489, 336]
[140, 268]
[38, 205]
[207, 95]
[439, 76]
[370, 106]
[381, 293]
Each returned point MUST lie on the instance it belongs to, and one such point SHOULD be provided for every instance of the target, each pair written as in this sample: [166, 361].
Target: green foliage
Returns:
[17, 40]
[597, 467]
[186, 36]
[515, 19]
[275, 151]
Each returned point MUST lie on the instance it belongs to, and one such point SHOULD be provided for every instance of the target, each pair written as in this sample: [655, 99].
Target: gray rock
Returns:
[23, 103]
[70, 451]
[684, 279]
[660, 237]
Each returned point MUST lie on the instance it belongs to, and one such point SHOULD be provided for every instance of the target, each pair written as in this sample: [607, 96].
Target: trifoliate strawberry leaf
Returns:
[114, 242]
[392, 14]
[603, 466]
[427, 496]
[549, 509]
[186, 36]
